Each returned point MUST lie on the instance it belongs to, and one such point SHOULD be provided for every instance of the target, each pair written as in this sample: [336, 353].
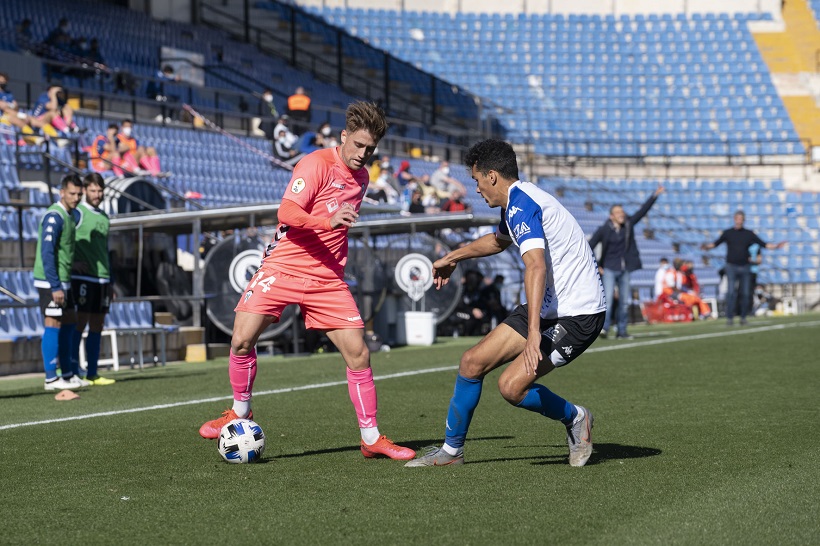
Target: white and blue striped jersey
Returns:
[535, 219]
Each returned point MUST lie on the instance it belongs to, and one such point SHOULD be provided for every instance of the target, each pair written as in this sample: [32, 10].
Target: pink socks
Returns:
[363, 395]
[242, 371]
[150, 164]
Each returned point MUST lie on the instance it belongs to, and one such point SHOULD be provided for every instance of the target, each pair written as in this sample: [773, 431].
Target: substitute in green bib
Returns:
[91, 277]
[52, 278]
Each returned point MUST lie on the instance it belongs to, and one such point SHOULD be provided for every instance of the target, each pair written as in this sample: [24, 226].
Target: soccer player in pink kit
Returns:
[304, 265]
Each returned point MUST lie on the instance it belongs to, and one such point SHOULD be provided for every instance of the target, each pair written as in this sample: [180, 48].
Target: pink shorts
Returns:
[326, 305]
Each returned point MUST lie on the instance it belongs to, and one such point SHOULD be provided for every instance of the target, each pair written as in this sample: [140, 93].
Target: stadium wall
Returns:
[600, 7]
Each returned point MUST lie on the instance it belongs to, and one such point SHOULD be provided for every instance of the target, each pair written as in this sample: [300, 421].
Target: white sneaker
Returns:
[61, 384]
[79, 381]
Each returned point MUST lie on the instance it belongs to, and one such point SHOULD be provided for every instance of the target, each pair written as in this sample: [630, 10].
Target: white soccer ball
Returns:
[241, 441]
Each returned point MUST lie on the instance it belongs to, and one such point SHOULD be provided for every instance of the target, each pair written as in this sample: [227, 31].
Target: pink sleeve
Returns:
[308, 178]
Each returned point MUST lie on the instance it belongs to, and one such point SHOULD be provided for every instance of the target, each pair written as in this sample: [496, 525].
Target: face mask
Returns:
[445, 170]
[282, 140]
[385, 164]
[126, 131]
[268, 98]
[326, 131]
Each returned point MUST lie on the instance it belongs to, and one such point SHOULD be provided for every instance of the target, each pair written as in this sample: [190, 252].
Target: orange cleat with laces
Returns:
[387, 448]
[211, 429]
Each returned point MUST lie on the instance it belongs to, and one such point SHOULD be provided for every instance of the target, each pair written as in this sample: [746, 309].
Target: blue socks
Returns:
[65, 341]
[49, 345]
[465, 398]
[92, 352]
[76, 339]
[542, 400]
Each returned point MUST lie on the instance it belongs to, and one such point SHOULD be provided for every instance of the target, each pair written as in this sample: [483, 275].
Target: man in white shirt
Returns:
[563, 318]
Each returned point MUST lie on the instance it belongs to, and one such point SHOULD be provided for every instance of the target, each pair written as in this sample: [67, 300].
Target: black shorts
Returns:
[562, 339]
[50, 309]
[92, 297]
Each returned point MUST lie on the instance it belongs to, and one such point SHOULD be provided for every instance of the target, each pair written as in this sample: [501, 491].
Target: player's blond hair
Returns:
[368, 116]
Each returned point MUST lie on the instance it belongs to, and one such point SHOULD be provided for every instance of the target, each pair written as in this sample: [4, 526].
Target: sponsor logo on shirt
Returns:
[521, 229]
[298, 185]
[354, 319]
[332, 205]
[248, 295]
[338, 185]
[513, 211]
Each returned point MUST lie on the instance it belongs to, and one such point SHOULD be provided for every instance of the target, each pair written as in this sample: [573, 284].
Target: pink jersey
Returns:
[321, 182]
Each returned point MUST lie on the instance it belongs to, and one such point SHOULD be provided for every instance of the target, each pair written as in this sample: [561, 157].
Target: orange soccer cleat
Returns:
[211, 429]
[384, 446]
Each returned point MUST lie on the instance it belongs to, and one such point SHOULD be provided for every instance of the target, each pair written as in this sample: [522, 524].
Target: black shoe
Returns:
[603, 334]
[744, 322]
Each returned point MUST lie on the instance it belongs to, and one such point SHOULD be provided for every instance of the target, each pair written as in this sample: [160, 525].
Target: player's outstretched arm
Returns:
[483, 246]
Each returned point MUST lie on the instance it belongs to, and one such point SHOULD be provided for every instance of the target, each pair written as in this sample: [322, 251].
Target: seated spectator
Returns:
[416, 206]
[9, 112]
[156, 87]
[310, 142]
[764, 302]
[283, 124]
[444, 183]
[52, 113]
[285, 152]
[382, 191]
[407, 179]
[59, 37]
[456, 203]
[94, 52]
[430, 198]
[24, 36]
[328, 138]
[139, 157]
[681, 285]
[102, 148]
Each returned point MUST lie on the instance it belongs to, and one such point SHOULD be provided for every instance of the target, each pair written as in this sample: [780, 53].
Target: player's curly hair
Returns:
[368, 116]
[493, 155]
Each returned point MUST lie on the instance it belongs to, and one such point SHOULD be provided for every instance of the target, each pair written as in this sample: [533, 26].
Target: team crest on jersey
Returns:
[521, 229]
[248, 295]
[513, 211]
[298, 185]
[332, 205]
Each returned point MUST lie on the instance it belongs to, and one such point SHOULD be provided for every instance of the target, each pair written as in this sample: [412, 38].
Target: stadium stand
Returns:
[592, 85]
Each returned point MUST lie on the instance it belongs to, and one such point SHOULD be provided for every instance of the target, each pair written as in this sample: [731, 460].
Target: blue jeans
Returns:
[738, 274]
[612, 277]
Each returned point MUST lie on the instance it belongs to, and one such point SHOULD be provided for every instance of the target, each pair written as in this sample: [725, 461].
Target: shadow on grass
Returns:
[414, 444]
[601, 453]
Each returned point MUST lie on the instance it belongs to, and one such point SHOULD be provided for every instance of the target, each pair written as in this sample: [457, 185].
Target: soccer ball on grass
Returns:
[241, 441]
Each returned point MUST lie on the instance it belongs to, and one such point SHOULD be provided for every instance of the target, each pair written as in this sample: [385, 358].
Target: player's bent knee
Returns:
[510, 391]
[471, 366]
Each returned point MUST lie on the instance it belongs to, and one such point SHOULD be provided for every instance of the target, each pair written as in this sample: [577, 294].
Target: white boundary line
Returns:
[314, 386]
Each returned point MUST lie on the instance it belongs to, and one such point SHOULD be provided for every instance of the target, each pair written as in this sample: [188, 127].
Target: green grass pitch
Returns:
[704, 434]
